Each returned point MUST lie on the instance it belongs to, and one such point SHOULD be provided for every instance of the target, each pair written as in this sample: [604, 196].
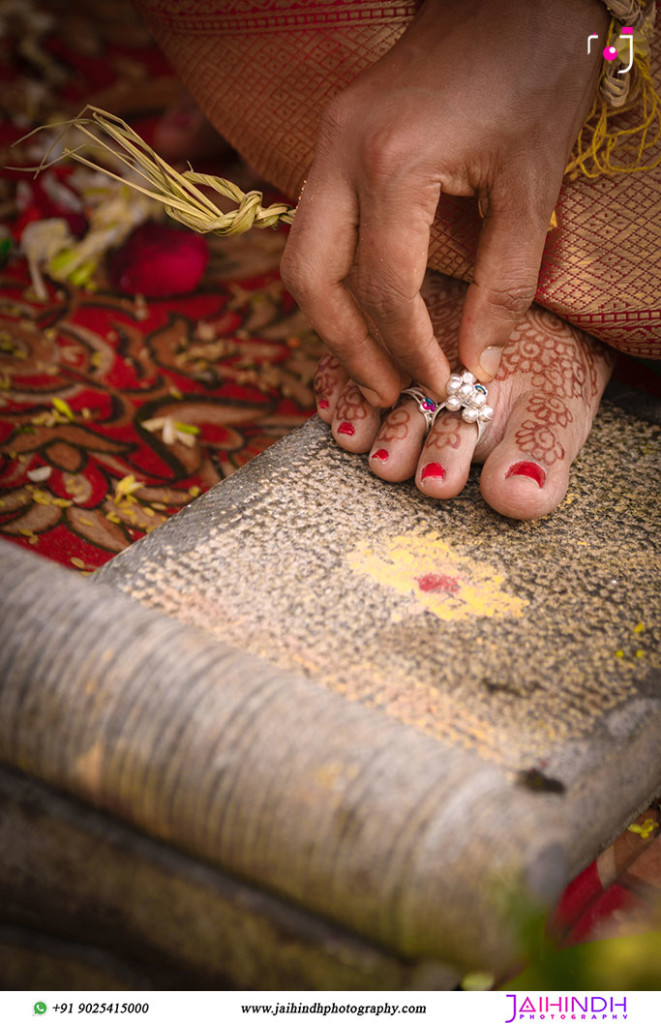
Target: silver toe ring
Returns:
[427, 406]
[465, 393]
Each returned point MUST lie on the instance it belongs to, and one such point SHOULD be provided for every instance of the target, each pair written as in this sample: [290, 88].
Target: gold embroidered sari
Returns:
[267, 68]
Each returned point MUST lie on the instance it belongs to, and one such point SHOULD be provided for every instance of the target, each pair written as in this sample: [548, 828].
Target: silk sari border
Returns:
[242, 18]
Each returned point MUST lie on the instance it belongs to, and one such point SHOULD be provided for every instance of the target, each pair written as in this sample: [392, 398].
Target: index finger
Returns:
[391, 263]
[317, 260]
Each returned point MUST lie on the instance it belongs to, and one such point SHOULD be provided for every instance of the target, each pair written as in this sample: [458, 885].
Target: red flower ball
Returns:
[157, 260]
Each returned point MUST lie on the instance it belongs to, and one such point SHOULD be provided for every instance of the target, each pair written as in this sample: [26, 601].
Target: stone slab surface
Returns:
[534, 645]
[393, 714]
[365, 823]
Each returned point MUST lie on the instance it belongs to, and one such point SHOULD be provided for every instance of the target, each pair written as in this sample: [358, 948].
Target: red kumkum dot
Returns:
[433, 469]
[433, 583]
[380, 454]
[346, 428]
[530, 469]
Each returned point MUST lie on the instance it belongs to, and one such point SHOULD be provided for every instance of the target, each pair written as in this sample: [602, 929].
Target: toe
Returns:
[396, 448]
[445, 460]
[355, 421]
[329, 382]
[526, 476]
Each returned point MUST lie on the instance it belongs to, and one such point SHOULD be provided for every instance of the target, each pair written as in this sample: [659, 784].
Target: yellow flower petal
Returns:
[64, 408]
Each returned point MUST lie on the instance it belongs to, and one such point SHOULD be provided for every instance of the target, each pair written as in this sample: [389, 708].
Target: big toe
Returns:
[526, 476]
[354, 421]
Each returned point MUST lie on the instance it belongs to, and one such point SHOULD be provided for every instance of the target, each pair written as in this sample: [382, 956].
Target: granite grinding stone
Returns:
[534, 645]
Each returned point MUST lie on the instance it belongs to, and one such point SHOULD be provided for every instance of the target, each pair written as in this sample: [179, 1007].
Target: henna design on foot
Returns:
[549, 379]
[447, 433]
[444, 304]
[539, 440]
[550, 410]
[396, 427]
[351, 406]
[537, 437]
[551, 352]
[324, 380]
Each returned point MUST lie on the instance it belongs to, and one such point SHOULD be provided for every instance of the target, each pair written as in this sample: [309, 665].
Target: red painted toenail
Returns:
[346, 428]
[433, 469]
[530, 469]
[380, 454]
[323, 403]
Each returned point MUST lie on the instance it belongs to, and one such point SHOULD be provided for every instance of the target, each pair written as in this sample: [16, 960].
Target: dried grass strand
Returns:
[176, 191]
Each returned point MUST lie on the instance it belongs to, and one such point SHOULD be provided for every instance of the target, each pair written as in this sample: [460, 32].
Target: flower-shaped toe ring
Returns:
[465, 393]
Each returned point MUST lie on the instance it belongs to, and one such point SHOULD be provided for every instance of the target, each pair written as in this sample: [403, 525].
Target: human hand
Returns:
[481, 98]
[545, 396]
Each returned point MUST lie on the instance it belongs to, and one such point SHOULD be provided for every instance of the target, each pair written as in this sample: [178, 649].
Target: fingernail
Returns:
[346, 428]
[323, 403]
[490, 360]
[530, 469]
[433, 469]
[372, 397]
[380, 454]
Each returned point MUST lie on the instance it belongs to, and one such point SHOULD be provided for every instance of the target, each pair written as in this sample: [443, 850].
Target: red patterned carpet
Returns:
[84, 373]
[226, 371]
[116, 410]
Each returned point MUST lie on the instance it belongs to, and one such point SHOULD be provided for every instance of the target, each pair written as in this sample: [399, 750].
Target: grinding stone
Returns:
[381, 708]
[530, 643]
[534, 645]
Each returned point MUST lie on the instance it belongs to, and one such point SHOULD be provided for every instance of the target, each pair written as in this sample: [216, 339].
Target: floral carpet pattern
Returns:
[117, 410]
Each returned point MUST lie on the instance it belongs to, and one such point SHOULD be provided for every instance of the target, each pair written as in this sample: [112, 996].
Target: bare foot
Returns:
[545, 396]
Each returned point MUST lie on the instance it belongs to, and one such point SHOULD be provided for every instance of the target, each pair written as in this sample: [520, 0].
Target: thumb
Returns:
[507, 262]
